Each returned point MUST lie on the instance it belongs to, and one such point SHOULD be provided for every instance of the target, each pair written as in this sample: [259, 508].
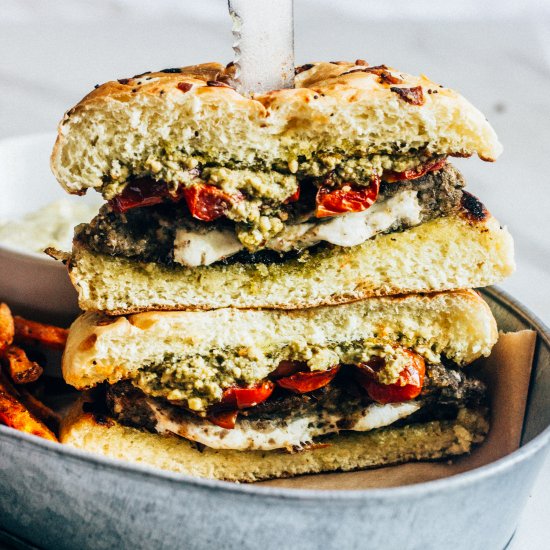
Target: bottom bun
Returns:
[343, 452]
[448, 253]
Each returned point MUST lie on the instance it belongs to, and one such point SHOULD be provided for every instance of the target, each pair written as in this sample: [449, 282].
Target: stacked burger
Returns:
[278, 284]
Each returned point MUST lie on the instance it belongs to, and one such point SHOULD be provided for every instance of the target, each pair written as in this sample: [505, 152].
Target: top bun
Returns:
[458, 325]
[165, 123]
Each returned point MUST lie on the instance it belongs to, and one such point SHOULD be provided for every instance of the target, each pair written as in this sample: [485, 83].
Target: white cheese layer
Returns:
[279, 435]
[193, 248]
[355, 228]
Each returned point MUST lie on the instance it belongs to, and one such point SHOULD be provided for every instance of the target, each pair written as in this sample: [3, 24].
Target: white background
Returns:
[497, 53]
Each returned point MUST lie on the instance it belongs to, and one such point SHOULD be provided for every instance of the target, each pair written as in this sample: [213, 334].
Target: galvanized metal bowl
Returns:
[57, 497]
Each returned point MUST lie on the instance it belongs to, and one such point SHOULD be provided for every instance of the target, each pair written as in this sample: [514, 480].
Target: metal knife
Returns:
[264, 44]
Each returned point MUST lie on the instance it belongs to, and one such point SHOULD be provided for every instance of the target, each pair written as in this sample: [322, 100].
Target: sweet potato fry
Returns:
[6, 327]
[15, 415]
[33, 332]
[39, 409]
[21, 369]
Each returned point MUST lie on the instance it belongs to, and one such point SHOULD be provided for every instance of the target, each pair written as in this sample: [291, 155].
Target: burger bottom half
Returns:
[247, 395]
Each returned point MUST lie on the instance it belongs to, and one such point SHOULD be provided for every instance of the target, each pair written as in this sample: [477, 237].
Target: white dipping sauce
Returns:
[52, 225]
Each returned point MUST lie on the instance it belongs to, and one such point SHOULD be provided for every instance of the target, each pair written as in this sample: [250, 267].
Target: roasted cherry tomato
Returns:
[294, 197]
[207, 202]
[348, 198]
[303, 382]
[408, 386]
[138, 193]
[286, 368]
[242, 398]
[224, 413]
[224, 419]
[414, 173]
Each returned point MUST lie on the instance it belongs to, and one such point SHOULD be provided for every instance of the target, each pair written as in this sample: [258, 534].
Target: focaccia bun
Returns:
[458, 325]
[345, 452]
[444, 254]
[165, 122]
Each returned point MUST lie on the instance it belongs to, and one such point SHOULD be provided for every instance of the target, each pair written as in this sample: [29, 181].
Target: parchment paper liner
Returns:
[507, 373]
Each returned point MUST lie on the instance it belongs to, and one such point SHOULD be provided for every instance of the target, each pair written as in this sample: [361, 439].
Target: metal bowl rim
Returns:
[416, 490]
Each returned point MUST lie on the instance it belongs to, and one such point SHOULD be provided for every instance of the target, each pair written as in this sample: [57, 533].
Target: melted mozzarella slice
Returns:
[290, 236]
[294, 432]
[354, 228]
[194, 248]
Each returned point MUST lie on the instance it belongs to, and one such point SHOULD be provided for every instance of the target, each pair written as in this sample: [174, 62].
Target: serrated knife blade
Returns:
[263, 32]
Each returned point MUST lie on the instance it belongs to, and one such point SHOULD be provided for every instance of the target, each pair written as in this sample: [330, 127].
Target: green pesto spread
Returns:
[275, 182]
[359, 168]
[199, 381]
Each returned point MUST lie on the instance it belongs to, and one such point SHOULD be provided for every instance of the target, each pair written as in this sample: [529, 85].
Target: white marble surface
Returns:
[496, 53]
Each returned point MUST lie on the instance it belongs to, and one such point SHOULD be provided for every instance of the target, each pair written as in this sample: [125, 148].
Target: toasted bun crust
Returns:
[444, 254]
[101, 348]
[347, 451]
[126, 127]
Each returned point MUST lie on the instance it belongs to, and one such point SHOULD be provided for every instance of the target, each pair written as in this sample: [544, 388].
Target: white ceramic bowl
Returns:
[32, 283]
